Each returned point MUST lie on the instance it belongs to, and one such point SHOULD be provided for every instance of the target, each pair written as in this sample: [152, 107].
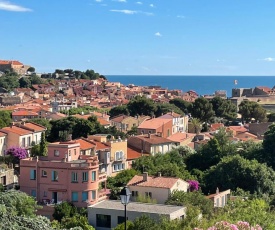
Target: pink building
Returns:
[64, 175]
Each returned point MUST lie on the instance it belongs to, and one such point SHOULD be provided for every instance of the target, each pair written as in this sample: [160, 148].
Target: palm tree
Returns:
[195, 125]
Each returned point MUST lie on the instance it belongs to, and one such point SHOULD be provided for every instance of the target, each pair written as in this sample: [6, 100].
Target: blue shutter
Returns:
[84, 196]
[53, 176]
[74, 196]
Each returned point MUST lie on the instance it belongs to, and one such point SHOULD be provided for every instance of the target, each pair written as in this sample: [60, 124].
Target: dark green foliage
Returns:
[24, 82]
[224, 108]
[31, 69]
[251, 109]
[9, 82]
[271, 117]
[43, 145]
[184, 106]
[269, 146]
[169, 164]
[202, 109]
[34, 79]
[141, 105]
[181, 198]
[64, 210]
[5, 118]
[70, 125]
[234, 172]
[118, 110]
[163, 108]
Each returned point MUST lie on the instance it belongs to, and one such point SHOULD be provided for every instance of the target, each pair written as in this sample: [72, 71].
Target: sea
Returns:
[203, 85]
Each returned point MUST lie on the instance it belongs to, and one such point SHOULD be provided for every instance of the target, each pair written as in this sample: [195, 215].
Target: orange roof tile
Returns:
[153, 123]
[34, 127]
[100, 145]
[133, 154]
[24, 113]
[2, 134]
[179, 137]
[157, 182]
[85, 144]
[15, 130]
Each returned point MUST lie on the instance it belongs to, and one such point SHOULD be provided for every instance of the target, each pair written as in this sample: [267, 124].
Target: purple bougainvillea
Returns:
[193, 185]
[17, 153]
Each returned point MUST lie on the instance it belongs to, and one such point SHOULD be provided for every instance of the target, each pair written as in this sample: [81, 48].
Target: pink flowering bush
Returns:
[240, 225]
[193, 185]
[17, 154]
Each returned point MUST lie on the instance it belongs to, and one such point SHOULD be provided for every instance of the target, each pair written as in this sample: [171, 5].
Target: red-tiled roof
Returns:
[16, 130]
[133, 154]
[34, 127]
[153, 123]
[85, 144]
[24, 113]
[100, 145]
[153, 139]
[2, 134]
[157, 182]
[179, 137]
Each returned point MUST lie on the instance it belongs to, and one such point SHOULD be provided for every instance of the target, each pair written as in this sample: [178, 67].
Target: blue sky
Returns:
[150, 37]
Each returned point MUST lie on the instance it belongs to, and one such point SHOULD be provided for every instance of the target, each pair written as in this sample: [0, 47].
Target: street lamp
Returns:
[125, 197]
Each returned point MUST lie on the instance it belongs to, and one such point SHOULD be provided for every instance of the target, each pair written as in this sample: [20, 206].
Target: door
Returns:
[54, 197]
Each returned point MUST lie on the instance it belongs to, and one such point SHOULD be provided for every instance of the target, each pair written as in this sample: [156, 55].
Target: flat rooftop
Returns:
[137, 207]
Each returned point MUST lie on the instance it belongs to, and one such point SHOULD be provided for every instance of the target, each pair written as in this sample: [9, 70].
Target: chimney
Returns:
[145, 176]
[159, 174]
[217, 191]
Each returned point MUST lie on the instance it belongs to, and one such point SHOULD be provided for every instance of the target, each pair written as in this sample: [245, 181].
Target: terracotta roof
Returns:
[103, 121]
[2, 134]
[119, 118]
[157, 182]
[170, 115]
[153, 139]
[238, 128]
[85, 144]
[16, 130]
[33, 126]
[133, 154]
[5, 62]
[179, 137]
[100, 145]
[216, 126]
[24, 113]
[153, 123]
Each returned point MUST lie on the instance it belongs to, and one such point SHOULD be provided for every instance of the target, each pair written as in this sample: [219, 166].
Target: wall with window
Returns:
[3, 143]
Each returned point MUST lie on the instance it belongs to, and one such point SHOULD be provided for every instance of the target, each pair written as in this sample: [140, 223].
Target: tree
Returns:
[141, 105]
[118, 110]
[76, 221]
[9, 82]
[43, 145]
[44, 122]
[184, 106]
[224, 108]
[34, 79]
[202, 109]
[163, 108]
[31, 69]
[271, 117]
[64, 210]
[24, 82]
[196, 198]
[195, 126]
[250, 110]
[269, 146]
[5, 118]
[17, 153]
[234, 172]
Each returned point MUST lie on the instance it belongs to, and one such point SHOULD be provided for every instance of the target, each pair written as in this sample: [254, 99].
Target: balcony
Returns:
[102, 177]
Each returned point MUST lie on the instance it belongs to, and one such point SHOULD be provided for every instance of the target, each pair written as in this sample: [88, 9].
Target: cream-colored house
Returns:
[157, 188]
[220, 198]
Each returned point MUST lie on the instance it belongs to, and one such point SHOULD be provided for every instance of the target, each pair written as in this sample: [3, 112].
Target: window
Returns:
[93, 194]
[103, 221]
[23, 142]
[148, 194]
[121, 219]
[54, 176]
[33, 174]
[56, 153]
[44, 173]
[119, 155]
[74, 151]
[29, 141]
[134, 193]
[74, 196]
[84, 196]
[69, 153]
[123, 166]
[74, 177]
[94, 176]
[33, 193]
[84, 176]
[115, 167]
[45, 194]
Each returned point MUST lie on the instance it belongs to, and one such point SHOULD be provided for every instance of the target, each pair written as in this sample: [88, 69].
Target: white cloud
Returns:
[125, 11]
[8, 6]
[139, 3]
[119, 0]
[132, 12]
[158, 34]
[180, 16]
[151, 5]
[269, 59]
[99, 0]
